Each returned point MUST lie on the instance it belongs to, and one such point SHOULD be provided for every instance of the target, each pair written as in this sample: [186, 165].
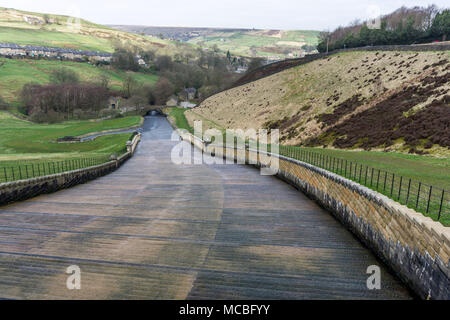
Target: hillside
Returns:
[15, 73]
[24, 141]
[350, 100]
[50, 30]
[274, 44]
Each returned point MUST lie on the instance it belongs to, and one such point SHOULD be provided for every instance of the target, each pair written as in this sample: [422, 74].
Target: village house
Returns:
[113, 103]
[188, 94]
[141, 61]
[187, 105]
[14, 50]
[33, 20]
[172, 101]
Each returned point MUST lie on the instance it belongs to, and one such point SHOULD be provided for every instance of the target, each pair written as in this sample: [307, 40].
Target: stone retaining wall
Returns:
[25, 189]
[414, 246]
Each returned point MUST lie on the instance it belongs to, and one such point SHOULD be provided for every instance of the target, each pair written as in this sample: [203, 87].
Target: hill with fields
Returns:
[383, 100]
[274, 44]
[39, 29]
[14, 73]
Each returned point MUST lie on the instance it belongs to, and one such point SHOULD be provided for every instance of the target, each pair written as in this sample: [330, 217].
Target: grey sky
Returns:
[263, 14]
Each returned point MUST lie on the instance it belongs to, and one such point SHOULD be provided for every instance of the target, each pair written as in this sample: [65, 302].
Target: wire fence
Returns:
[38, 169]
[430, 200]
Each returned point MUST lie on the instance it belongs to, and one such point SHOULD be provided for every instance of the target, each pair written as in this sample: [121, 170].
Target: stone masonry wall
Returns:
[414, 246]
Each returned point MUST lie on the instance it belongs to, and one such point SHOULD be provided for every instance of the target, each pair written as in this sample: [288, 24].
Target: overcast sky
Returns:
[260, 14]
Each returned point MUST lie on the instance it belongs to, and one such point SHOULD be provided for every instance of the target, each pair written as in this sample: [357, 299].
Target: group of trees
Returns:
[67, 97]
[208, 72]
[64, 98]
[124, 59]
[403, 26]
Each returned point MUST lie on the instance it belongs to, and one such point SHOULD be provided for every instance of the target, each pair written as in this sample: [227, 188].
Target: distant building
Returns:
[172, 101]
[113, 103]
[241, 70]
[188, 94]
[33, 20]
[187, 105]
[141, 61]
[14, 50]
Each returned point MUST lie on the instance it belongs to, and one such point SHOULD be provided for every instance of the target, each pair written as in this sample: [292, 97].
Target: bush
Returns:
[64, 99]
[64, 75]
[107, 113]
[42, 117]
[124, 60]
[3, 104]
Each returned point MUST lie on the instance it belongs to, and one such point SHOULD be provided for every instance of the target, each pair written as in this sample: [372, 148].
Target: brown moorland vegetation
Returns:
[383, 100]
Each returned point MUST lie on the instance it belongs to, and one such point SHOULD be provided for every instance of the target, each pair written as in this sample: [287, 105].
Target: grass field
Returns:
[430, 170]
[180, 120]
[62, 31]
[263, 43]
[49, 38]
[22, 141]
[14, 73]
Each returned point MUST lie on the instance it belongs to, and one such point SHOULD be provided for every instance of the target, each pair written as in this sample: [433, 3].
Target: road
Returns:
[157, 230]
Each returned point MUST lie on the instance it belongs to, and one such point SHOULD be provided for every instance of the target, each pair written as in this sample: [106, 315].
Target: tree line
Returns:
[68, 97]
[206, 71]
[403, 26]
[64, 98]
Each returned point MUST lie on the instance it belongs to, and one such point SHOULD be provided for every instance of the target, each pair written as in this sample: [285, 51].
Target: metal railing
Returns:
[430, 200]
[38, 169]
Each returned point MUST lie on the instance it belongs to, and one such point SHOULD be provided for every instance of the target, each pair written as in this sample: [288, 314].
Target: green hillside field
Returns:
[265, 43]
[25, 142]
[14, 73]
[61, 31]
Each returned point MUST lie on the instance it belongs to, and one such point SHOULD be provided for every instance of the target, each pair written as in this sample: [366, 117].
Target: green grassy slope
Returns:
[48, 38]
[26, 141]
[61, 31]
[264, 43]
[15, 73]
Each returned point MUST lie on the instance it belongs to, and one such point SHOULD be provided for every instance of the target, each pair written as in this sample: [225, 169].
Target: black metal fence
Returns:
[430, 200]
[38, 169]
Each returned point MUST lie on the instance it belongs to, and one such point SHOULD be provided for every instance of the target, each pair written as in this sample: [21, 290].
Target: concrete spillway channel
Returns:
[157, 230]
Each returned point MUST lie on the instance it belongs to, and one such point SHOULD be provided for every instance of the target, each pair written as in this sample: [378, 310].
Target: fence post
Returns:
[418, 194]
[378, 179]
[409, 188]
[360, 173]
[385, 178]
[400, 188]
[429, 199]
[392, 187]
[365, 178]
[6, 177]
[440, 206]
[345, 173]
